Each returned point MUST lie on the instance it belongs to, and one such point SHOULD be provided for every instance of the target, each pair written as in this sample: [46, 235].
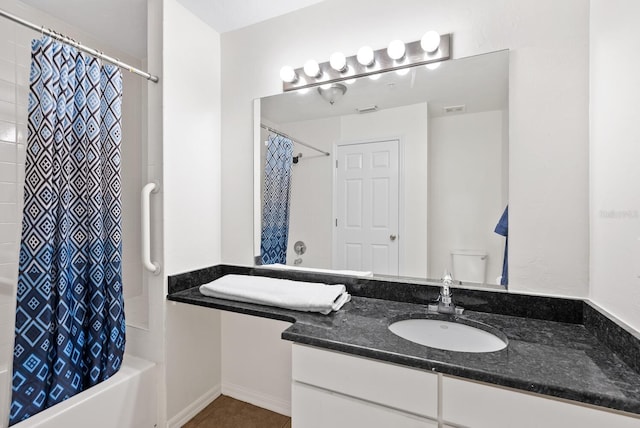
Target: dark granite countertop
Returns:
[561, 359]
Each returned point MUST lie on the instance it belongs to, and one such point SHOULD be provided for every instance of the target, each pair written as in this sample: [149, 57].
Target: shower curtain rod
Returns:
[70, 41]
[295, 140]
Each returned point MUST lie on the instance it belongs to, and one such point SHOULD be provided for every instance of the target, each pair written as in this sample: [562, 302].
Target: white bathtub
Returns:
[127, 400]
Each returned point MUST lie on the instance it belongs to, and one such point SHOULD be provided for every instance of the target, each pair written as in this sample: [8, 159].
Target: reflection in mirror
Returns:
[417, 177]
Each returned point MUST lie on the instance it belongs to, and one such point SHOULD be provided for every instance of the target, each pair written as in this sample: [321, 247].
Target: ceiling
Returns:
[229, 15]
[129, 17]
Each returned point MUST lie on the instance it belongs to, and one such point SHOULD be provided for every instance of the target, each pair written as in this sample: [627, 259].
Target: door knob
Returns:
[392, 237]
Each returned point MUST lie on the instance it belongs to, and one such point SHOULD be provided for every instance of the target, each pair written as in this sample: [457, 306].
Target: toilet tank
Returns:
[469, 265]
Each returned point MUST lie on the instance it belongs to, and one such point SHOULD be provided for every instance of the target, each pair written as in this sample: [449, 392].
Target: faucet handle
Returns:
[445, 292]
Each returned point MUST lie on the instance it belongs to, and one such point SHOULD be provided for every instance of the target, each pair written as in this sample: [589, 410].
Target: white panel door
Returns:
[367, 207]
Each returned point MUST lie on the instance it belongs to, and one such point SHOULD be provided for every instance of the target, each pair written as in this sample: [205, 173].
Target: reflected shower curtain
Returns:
[502, 228]
[275, 207]
[70, 329]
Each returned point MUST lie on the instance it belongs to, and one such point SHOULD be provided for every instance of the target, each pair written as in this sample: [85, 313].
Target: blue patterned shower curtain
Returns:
[70, 329]
[277, 193]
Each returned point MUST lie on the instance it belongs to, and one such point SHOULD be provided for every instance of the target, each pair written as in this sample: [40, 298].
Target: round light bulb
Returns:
[430, 41]
[433, 65]
[396, 49]
[338, 61]
[288, 74]
[365, 56]
[311, 68]
[403, 71]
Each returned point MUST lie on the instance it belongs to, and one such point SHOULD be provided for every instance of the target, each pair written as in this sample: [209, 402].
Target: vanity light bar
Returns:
[414, 54]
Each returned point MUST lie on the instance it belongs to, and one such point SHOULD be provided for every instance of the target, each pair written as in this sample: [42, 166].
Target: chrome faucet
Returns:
[445, 303]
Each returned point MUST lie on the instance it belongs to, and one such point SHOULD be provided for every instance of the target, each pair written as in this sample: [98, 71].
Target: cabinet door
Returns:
[479, 405]
[317, 408]
[410, 390]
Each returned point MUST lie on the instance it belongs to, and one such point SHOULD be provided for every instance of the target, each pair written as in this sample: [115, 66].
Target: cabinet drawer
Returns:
[477, 405]
[319, 408]
[403, 388]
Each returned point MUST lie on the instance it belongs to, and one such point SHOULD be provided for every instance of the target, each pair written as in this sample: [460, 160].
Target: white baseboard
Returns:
[196, 407]
[260, 399]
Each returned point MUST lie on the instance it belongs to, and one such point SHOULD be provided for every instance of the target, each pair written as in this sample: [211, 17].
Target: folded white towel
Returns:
[283, 293]
[317, 270]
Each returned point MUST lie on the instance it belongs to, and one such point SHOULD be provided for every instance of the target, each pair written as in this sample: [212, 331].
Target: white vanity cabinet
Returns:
[476, 405]
[339, 390]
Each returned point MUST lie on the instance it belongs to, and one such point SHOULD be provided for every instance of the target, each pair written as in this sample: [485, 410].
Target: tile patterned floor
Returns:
[227, 412]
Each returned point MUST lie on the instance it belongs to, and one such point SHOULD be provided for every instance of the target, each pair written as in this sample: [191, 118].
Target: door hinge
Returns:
[336, 222]
[336, 163]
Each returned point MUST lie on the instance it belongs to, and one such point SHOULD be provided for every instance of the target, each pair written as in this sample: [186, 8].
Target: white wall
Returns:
[13, 114]
[191, 191]
[465, 193]
[256, 362]
[191, 141]
[548, 112]
[615, 151]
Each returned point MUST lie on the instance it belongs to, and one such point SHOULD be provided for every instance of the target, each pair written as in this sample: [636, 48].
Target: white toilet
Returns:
[469, 265]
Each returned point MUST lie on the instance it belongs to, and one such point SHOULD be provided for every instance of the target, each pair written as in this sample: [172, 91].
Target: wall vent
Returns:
[369, 109]
[454, 109]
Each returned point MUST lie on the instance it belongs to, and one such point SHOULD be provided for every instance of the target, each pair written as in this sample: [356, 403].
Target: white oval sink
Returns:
[450, 336]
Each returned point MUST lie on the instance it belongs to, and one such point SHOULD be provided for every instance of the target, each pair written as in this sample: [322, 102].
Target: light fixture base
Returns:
[414, 55]
[333, 92]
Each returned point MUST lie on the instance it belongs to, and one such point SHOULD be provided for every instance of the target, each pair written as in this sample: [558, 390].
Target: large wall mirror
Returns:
[401, 174]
